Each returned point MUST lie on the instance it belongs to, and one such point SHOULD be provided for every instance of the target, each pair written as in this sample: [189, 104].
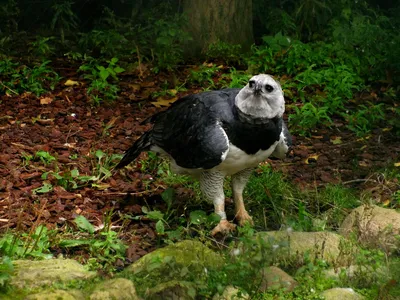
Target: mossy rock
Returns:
[342, 294]
[173, 289]
[119, 288]
[184, 261]
[231, 293]
[32, 274]
[292, 247]
[190, 254]
[57, 294]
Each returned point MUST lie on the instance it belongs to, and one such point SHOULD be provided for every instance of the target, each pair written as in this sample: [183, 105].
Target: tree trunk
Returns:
[210, 21]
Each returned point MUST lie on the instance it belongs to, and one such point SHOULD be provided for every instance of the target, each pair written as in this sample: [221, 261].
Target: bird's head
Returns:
[262, 97]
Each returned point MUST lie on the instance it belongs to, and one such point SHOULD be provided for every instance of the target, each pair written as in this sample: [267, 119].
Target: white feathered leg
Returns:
[212, 187]
[239, 181]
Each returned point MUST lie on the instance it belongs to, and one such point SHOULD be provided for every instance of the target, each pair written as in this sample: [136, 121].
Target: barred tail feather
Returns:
[142, 144]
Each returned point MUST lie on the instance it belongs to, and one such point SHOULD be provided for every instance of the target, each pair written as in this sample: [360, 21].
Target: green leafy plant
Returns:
[45, 157]
[366, 118]
[72, 179]
[64, 18]
[16, 78]
[169, 37]
[104, 247]
[35, 244]
[9, 14]
[99, 77]
[227, 53]
[6, 270]
[42, 47]
[204, 75]
[105, 42]
[309, 116]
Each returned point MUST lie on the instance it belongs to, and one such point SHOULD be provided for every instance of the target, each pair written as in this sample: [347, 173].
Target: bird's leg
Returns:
[212, 187]
[239, 181]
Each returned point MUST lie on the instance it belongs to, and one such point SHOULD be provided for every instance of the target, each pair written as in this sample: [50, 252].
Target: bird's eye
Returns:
[269, 88]
[252, 83]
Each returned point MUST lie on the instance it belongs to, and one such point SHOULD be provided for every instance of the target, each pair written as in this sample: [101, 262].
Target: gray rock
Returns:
[342, 294]
[374, 226]
[273, 278]
[231, 293]
[57, 294]
[119, 288]
[30, 274]
[291, 247]
[172, 290]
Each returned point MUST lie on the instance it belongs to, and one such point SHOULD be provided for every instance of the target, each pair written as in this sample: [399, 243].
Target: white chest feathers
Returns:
[237, 160]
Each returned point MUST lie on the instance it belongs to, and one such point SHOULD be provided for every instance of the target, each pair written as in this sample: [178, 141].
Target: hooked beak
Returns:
[257, 89]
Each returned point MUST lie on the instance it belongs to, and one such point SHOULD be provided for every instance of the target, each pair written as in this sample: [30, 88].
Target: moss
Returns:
[32, 274]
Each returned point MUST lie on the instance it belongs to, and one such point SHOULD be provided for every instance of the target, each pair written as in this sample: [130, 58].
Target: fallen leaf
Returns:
[311, 158]
[135, 87]
[387, 129]
[364, 138]
[362, 164]
[45, 121]
[172, 92]
[70, 82]
[337, 140]
[101, 186]
[397, 164]
[386, 202]
[164, 102]
[46, 100]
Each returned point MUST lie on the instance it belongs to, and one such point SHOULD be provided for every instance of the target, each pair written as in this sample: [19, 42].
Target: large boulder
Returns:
[31, 274]
[292, 247]
[373, 226]
[118, 288]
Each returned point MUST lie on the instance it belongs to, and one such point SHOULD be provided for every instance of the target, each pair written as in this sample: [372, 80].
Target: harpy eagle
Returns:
[215, 134]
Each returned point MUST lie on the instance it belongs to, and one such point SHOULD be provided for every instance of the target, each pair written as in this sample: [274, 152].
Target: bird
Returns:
[215, 134]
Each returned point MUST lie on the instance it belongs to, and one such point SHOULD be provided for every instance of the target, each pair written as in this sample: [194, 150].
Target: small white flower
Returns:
[236, 251]
[274, 247]
[289, 230]
[73, 115]
[312, 290]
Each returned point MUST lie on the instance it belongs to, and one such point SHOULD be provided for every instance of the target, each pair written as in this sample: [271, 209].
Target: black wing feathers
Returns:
[190, 133]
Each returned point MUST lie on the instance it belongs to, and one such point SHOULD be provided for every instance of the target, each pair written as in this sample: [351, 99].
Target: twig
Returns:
[11, 90]
[128, 193]
[359, 180]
